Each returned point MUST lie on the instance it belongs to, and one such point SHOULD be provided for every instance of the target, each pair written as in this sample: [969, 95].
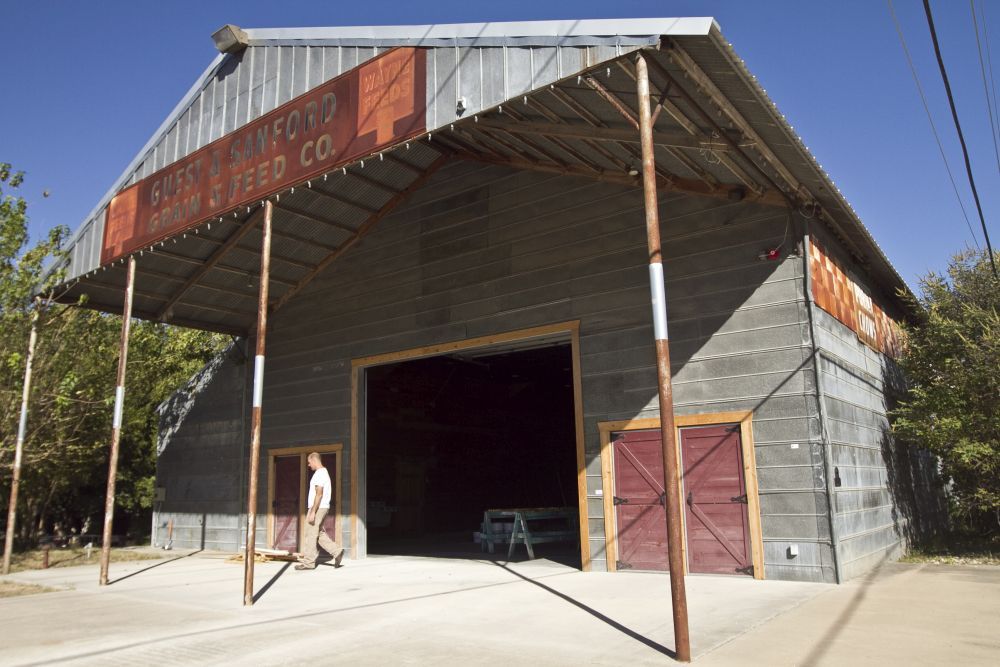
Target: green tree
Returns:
[66, 449]
[952, 361]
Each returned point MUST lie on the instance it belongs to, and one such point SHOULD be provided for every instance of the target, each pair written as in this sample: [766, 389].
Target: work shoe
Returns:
[339, 557]
[303, 566]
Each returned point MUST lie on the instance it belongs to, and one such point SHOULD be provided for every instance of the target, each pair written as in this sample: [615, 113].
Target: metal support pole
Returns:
[116, 426]
[669, 441]
[258, 392]
[22, 429]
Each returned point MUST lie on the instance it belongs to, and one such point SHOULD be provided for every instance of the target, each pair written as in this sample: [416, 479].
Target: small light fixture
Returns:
[633, 169]
[249, 279]
[230, 39]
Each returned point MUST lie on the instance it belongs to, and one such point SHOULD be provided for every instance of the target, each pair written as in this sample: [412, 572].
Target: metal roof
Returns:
[554, 96]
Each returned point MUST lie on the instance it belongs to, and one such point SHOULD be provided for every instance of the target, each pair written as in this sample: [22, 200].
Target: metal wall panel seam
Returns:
[866, 533]
[827, 448]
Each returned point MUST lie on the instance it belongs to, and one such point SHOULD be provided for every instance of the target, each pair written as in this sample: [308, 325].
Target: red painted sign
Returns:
[358, 113]
[836, 293]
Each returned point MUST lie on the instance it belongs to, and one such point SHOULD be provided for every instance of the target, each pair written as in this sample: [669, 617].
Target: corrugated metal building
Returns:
[460, 307]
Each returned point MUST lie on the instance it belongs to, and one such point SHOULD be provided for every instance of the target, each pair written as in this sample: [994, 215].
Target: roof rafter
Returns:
[363, 230]
[209, 264]
[667, 181]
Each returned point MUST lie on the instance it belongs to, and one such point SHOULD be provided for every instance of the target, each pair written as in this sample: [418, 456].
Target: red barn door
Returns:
[285, 505]
[715, 507]
[639, 500]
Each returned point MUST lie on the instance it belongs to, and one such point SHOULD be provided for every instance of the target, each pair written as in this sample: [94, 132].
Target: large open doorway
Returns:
[451, 436]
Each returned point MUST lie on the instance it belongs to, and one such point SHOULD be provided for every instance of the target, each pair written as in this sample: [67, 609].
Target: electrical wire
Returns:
[986, 86]
[930, 119]
[989, 62]
[961, 137]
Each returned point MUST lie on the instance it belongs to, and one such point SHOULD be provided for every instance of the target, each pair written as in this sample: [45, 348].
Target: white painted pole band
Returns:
[22, 425]
[659, 294]
[258, 380]
[119, 406]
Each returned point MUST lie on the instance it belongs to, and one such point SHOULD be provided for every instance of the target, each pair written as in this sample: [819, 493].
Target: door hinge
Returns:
[662, 499]
[745, 570]
[619, 501]
[739, 499]
[622, 565]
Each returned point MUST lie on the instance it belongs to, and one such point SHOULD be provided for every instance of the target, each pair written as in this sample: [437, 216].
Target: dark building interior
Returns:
[451, 436]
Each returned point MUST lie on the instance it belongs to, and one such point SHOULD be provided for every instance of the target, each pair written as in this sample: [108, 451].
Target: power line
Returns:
[930, 119]
[961, 137]
[989, 60]
[986, 86]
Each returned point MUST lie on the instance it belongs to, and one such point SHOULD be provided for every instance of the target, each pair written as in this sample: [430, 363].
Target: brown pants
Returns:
[314, 533]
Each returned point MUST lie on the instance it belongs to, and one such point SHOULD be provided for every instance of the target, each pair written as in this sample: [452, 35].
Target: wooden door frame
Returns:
[303, 451]
[566, 332]
[743, 418]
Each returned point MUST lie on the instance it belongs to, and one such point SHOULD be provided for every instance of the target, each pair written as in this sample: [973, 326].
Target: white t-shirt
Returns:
[320, 478]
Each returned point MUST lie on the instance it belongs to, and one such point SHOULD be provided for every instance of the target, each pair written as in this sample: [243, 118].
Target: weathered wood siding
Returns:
[482, 250]
[869, 494]
[201, 458]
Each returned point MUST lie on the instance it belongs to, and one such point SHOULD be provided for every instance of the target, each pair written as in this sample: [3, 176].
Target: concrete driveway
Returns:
[898, 615]
[383, 610]
[405, 610]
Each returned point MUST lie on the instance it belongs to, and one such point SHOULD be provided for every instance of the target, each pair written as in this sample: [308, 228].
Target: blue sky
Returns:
[85, 85]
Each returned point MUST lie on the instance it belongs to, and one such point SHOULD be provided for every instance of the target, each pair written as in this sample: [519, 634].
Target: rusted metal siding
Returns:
[836, 292]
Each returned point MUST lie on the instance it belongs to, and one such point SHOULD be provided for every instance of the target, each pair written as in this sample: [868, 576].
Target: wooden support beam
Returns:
[715, 144]
[576, 107]
[491, 142]
[218, 267]
[363, 230]
[455, 144]
[209, 263]
[708, 87]
[368, 180]
[559, 142]
[530, 145]
[613, 100]
[626, 111]
[589, 132]
[151, 316]
[298, 238]
[669, 182]
[291, 261]
[312, 217]
[341, 200]
[409, 166]
[160, 297]
[594, 145]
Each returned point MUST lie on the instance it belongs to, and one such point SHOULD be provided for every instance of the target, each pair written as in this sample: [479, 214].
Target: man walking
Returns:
[320, 493]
